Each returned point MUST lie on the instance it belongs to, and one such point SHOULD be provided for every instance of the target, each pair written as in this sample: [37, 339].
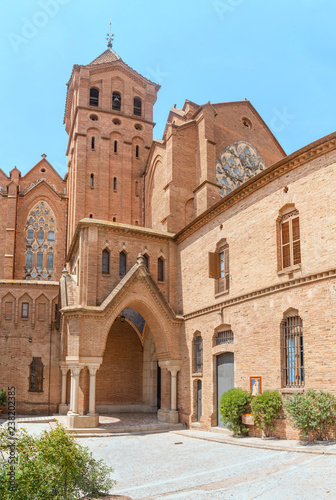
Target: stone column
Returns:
[75, 371]
[171, 415]
[63, 407]
[92, 397]
[173, 388]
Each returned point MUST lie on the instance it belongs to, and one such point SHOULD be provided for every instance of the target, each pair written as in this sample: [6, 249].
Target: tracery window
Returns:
[40, 241]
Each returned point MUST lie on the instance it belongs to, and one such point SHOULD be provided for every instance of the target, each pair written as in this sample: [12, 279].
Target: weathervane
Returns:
[109, 38]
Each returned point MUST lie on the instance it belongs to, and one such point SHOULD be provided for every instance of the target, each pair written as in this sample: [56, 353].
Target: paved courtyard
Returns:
[174, 466]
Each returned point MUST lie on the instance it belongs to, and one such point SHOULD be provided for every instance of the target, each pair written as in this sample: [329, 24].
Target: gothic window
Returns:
[137, 106]
[198, 354]
[160, 269]
[116, 101]
[40, 238]
[293, 359]
[36, 375]
[122, 263]
[146, 260]
[94, 97]
[290, 240]
[106, 262]
[236, 164]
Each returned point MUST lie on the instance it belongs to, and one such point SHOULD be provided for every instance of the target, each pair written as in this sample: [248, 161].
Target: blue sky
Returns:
[278, 54]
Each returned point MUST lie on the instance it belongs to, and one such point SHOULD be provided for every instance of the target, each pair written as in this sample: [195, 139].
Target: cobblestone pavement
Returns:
[174, 466]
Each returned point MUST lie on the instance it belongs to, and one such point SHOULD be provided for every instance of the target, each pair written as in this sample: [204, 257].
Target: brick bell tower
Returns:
[109, 120]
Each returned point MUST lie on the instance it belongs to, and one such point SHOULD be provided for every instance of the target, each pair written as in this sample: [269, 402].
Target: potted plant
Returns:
[3, 399]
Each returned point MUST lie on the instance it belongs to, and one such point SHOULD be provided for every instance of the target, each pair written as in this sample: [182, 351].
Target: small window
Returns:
[137, 106]
[92, 180]
[30, 235]
[91, 216]
[50, 261]
[42, 311]
[29, 259]
[116, 101]
[198, 354]
[36, 375]
[40, 235]
[219, 268]
[94, 97]
[39, 260]
[92, 142]
[293, 359]
[122, 263]
[106, 262]
[160, 269]
[25, 310]
[116, 146]
[225, 337]
[290, 240]
[56, 311]
[137, 151]
[51, 236]
[114, 219]
[8, 310]
[146, 260]
[114, 183]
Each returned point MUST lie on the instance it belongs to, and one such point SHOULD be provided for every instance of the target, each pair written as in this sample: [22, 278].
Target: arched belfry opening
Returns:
[127, 380]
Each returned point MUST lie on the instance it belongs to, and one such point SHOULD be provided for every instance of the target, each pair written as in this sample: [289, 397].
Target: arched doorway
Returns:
[127, 380]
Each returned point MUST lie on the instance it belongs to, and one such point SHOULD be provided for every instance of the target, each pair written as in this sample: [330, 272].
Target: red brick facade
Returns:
[140, 227]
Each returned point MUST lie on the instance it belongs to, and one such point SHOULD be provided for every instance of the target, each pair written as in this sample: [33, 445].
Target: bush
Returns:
[232, 406]
[312, 412]
[265, 408]
[3, 398]
[52, 465]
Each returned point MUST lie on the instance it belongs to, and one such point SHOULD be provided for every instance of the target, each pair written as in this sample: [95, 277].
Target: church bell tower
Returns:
[109, 120]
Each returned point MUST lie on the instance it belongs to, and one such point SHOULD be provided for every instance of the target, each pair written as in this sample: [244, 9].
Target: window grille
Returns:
[36, 375]
[293, 358]
[94, 97]
[224, 337]
[198, 354]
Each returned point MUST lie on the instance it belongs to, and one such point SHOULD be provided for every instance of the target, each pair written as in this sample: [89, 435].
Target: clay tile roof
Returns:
[108, 56]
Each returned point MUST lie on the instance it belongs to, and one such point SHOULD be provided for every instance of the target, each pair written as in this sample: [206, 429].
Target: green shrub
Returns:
[52, 465]
[312, 412]
[232, 406]
[3, 398]
[265, 408]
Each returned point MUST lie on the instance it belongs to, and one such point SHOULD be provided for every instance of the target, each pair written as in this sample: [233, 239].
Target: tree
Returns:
[52, 465]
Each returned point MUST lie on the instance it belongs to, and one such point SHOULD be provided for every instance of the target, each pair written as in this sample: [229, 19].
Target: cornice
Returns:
[119, 228]
[37, 284]
[279, 287]
[282, 167]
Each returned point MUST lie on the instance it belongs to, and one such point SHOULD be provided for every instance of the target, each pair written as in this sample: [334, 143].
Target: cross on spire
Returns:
[110, 38]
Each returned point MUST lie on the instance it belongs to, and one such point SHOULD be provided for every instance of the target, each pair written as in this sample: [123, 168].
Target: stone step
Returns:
[124, 431]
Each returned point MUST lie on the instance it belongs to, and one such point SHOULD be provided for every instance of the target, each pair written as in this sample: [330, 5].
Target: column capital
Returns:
[75, 370]
[93, 369]
[64, 370]
[173, 365]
